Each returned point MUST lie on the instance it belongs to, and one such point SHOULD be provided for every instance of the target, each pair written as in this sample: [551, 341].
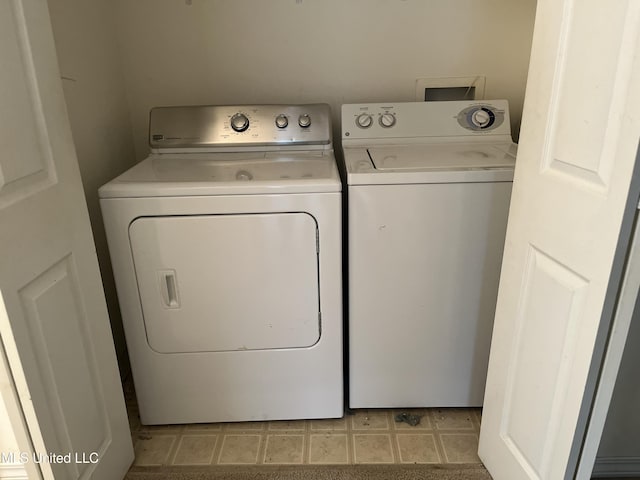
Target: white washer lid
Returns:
[248, 173]
[439, 157]
[430, 163]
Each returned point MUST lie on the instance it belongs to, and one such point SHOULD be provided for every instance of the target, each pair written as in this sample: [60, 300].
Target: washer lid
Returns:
[430, 163]
[439, 157]
[245, 173]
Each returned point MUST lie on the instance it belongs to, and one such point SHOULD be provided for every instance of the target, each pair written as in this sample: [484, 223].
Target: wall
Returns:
[90, 64]
[619, 450]
[181, 52]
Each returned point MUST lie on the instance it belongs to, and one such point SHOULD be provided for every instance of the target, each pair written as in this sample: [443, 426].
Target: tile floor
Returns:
[365, 436]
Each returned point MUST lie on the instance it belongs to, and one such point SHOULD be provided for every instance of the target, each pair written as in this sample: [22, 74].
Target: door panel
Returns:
[552, 296]
[56, 322]
[571, 192]
[25, 165]
[56, 331]
[227, 282]
[585, 111]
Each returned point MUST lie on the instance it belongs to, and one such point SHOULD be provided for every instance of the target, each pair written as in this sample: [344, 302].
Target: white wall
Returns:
[181, 52]
[91, 67]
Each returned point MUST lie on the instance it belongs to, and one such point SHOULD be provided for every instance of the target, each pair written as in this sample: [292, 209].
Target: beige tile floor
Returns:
[365, 437]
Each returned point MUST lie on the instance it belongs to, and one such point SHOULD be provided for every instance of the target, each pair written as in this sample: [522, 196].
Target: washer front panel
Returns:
[424, 265]
[227, 282]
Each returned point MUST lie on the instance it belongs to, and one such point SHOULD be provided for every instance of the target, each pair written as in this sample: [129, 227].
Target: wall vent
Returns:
[450, 88]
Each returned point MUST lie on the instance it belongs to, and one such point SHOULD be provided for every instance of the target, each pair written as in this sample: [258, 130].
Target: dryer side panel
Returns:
[214, 283]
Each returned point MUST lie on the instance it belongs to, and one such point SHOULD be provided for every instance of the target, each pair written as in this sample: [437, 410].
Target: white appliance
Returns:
[226, 250]
[429, 186]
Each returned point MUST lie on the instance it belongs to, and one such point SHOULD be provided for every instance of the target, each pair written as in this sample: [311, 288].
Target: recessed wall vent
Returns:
[450, 88]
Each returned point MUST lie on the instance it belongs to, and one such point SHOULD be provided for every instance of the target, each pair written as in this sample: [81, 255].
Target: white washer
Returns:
[429, 186]
[226, 250]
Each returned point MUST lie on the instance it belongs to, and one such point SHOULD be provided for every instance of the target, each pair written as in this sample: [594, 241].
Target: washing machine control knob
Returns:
[304, 120]
[364, 120]
[282, 121]
[481, 118]
[239, 122]
[387, 120]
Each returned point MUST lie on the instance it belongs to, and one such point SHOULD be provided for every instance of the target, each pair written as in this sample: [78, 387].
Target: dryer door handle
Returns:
[169, 288]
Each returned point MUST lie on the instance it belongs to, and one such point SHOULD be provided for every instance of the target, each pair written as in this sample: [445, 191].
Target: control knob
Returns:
[239, 122]
[481, 118]
[387, 120]
[364, 120]
[304, 120]
[282, 121]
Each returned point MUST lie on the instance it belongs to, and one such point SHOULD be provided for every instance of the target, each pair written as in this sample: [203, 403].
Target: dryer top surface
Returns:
[246, 173]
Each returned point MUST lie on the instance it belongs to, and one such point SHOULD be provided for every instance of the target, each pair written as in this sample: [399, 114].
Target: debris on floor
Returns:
[410, 418]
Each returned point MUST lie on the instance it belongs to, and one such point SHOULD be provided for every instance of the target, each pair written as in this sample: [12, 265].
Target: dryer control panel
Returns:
[425, 120]
[212, 127]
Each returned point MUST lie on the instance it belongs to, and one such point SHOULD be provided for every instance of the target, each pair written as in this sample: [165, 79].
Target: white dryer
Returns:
[226, 250]
[429, 186]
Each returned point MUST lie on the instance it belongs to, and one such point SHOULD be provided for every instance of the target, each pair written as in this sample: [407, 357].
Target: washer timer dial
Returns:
[480, 117]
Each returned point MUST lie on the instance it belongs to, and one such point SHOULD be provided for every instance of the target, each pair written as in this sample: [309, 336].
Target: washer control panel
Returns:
[200, 127]
[425, 119]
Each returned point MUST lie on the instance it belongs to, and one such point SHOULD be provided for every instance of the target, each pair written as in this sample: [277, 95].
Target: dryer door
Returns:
[227, 282]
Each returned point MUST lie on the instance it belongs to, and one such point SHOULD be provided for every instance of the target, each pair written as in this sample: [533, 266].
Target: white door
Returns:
[54, 324]
[577, 151]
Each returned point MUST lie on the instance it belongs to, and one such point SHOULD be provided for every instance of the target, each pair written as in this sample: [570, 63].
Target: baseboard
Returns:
[13, 472]
[616, 467]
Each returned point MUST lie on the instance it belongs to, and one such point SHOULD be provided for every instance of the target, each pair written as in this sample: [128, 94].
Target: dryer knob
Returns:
[364, 120]
[282, 121]
[387, 120]
[239, 122]
[304, 120]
